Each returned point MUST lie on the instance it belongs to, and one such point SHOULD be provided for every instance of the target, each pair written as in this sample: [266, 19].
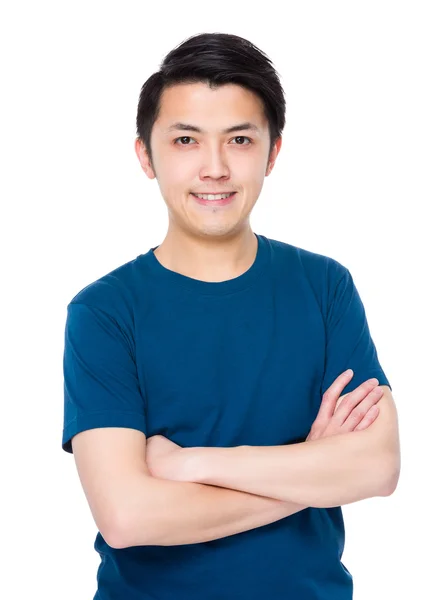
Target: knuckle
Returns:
[371, 382]
[345, 400]
[357, 413]
[327, 396]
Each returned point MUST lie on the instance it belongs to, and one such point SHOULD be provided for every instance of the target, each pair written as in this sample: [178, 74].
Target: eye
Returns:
[185, 137]
[242, 137]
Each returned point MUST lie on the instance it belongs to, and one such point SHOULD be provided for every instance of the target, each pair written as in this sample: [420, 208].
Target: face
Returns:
[211, 160]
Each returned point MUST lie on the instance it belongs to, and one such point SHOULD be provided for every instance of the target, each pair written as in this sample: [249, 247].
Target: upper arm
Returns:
[384, 428]
[383, 435]
[112, 469]
[104, 413]
[349, 344]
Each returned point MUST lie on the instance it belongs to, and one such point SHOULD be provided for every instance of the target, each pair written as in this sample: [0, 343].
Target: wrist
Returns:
[192, 465]
[208, 465]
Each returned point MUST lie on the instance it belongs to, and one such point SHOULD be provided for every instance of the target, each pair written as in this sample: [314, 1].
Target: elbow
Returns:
[115, 535]
[392, 469]
[122, 535]
[110, 529]
[391, 484]
[135, 521]
[116, 540]
[119, 540]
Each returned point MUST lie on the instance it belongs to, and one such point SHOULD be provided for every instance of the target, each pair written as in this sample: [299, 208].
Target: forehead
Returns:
[198, 104]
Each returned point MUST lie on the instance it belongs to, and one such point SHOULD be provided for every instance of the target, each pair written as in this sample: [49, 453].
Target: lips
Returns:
[221, 202]
[213, 193]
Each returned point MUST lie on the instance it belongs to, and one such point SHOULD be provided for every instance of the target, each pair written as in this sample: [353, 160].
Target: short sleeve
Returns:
[101, 385]
[348, 340]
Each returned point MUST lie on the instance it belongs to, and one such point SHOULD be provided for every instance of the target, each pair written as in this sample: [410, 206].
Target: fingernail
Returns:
[348, 372]
[374, 380]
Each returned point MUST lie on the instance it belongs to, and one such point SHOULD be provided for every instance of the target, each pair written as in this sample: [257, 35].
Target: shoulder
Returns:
[319, 268]
[113, 293]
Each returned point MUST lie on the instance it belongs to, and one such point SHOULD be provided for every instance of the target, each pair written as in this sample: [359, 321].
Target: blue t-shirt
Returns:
[238, 362]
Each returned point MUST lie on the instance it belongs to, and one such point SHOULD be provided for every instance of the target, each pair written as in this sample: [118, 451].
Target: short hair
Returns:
[215, 59]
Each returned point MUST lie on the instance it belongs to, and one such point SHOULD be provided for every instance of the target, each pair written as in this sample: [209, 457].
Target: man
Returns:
[204, 379]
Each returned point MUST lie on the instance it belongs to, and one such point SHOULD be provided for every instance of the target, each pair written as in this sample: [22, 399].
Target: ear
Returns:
[273, 155]
[143, 158]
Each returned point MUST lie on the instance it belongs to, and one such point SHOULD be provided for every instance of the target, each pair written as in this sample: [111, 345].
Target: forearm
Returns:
[189, 513]
[321, 473]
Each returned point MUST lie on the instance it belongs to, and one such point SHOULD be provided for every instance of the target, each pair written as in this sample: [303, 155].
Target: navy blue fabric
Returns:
[239, 362]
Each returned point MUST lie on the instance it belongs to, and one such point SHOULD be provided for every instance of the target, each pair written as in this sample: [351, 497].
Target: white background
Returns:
[349, 183]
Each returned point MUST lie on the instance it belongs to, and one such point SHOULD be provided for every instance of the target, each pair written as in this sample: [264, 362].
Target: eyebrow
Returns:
[239, 127]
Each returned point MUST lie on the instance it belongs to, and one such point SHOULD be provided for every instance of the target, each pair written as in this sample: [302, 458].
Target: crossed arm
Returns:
[224, 491]
[322, 473]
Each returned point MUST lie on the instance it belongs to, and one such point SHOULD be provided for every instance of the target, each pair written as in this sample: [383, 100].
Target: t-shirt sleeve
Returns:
[101, 385]
[349, 344]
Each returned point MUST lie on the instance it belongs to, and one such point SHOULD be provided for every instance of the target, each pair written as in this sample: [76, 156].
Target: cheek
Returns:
[180, 175]
[176, 181]
[250, 168]
[252, 178]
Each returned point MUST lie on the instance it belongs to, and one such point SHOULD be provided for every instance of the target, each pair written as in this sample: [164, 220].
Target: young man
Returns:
[204, 378]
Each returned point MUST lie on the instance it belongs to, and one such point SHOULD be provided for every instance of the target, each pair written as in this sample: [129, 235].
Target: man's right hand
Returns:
[356, 411]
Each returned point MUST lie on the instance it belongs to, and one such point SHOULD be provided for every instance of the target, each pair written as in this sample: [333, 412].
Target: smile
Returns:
[214, 199]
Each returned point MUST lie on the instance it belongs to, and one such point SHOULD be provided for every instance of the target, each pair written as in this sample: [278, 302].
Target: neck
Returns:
[207, 258]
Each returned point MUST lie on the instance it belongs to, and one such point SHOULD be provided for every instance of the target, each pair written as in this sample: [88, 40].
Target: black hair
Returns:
[214, 59]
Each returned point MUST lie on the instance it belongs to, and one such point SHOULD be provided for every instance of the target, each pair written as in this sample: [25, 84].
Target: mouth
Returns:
[223, 201]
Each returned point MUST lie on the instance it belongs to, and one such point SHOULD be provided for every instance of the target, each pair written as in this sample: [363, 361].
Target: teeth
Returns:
[212, 196]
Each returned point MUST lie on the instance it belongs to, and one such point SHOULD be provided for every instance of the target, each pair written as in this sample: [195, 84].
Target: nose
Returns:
[214, 164]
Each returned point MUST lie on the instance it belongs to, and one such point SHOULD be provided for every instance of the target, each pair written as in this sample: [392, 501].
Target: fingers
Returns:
[362, 409]
[371, 416]
[349, 402]
[332, 394]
